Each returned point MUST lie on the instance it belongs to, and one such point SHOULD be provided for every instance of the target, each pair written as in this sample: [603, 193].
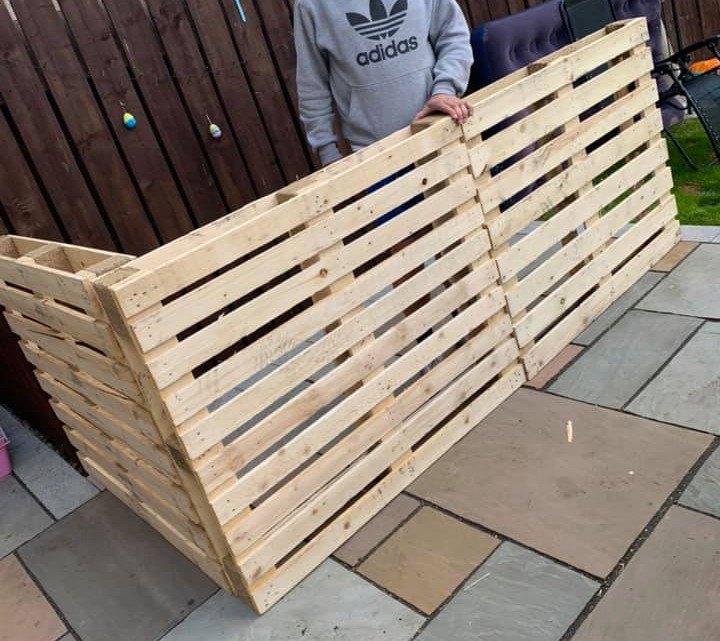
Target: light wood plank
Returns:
[78, 325]
[159, 326]
[111, 373]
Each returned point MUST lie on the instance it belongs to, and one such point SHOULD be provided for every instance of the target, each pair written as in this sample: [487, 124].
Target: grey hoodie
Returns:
[378, 61]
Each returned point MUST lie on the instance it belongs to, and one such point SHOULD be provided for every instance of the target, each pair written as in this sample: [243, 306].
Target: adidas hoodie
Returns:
[377, 62]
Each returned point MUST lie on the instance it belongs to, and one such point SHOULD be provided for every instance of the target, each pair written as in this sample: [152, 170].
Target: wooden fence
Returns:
[258, 389]
[71, 172]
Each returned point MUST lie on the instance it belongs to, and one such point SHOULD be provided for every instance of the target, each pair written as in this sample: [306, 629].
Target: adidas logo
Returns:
[380, 25]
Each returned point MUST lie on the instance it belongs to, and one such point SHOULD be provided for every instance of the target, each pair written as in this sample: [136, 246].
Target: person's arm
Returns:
[315, 97]
[450, 38]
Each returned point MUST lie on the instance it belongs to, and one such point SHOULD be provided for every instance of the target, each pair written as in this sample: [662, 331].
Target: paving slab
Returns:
[692, 289]
[56, 484]
[687, 391]
[623, 360]
[675, 256]
[555, 366]
[613, 313]
[583, 502]
[21, 517]
[112, 575]
[331, 604]
[428, 558]
[700, 233]
[703, 493]
[516, 595]
[25, 614]
[670, 590]
[377, 529]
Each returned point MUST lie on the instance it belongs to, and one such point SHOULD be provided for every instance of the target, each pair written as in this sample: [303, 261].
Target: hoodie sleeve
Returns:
[450, 37]
[313, 80]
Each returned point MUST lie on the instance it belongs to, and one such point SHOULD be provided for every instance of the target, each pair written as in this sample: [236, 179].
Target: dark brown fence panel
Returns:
[105, 64]
[45, 32]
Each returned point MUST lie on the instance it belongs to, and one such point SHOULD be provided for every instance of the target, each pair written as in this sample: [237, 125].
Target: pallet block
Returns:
[260, 388]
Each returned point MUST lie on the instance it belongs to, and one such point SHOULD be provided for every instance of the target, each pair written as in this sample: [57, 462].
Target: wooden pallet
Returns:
[260, 388]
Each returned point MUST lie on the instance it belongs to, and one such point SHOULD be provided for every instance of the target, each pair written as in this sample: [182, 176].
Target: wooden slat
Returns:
[46, 281]
[65, 76]
[563, 222]
[388, 422]
[595, 237]
[111, 373]
[562, 333]
[176, 33]
[122, 409]
[104, 61]
[84, 328]
[294, 454]
[154, 329]
[103, 420]
[554, 191]
[190, 259]
[237, 97]
[272, 587]
[555, 71]
[246, 405]
[146, 58]
[24, 96]
[558, 112]
[186, 402]
[529, 169]
[541, 316]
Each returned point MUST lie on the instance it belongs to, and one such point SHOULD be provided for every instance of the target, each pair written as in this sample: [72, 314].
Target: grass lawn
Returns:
[697, 193]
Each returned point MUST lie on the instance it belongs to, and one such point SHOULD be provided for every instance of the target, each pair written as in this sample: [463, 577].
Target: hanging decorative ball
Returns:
[129, 120]
[215, 131]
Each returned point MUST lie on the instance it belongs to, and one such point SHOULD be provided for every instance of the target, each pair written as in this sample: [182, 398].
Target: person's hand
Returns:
[450, 105]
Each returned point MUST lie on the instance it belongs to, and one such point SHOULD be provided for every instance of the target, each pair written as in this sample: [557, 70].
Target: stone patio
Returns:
[516, 534]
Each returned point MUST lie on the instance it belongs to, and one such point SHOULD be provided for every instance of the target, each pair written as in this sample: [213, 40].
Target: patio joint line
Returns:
[664, 365]
[637, 544]
[48, 598]
[199, 604]
[37, 500]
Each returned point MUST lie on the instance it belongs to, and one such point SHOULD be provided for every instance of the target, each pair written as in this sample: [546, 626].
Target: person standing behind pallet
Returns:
[379, 69]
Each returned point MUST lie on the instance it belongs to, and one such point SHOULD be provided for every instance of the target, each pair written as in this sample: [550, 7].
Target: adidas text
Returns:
[387, 52]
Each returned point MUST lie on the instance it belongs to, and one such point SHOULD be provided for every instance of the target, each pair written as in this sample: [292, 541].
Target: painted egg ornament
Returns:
[215, 131]
[129, 120]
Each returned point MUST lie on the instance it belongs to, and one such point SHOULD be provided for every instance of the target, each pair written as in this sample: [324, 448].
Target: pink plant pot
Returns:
[5, 465]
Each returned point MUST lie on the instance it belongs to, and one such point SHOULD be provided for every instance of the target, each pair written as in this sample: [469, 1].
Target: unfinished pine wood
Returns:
[269, 382]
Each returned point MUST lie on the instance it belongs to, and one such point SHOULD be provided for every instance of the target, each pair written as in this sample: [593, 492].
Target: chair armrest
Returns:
[682, 55]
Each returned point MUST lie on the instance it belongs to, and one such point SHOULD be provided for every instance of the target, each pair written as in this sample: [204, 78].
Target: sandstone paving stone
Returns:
[333, 603]
[583, 502]
[21, 517]
[516, 595]
[25, 614]
[669, 591]
[703, 493]
[555, 366]
[675, 256]
[692, 289]
[427, 558]
[113, 576]
[687, 391]
[613, 313]
[377, 529]
[615, 368]
[55, 483]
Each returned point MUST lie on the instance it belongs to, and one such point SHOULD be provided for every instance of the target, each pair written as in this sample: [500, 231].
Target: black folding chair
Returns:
[681, 90]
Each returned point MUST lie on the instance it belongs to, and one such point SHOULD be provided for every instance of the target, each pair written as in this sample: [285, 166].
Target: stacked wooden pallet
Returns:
[290, 368]
[51, 305]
